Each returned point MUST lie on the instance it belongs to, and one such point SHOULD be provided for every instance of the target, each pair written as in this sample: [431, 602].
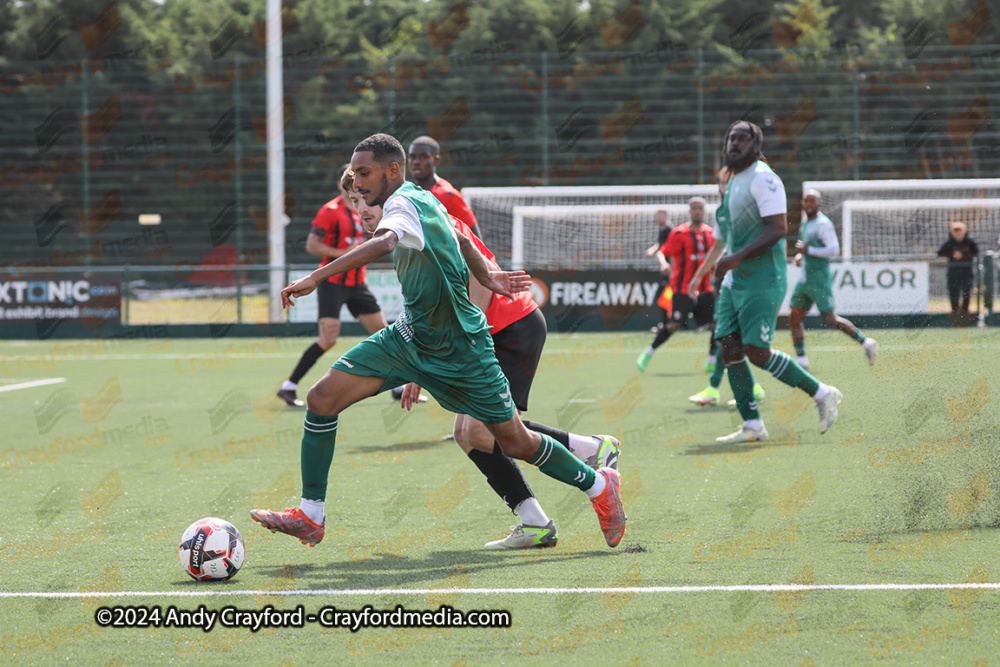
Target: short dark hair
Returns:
[429, 142]
[384, 148]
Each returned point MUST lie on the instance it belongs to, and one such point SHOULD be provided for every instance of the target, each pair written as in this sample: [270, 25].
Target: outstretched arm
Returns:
[382, 243]
[506, 283]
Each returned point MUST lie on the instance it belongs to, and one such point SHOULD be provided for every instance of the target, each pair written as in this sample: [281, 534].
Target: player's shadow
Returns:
[403, 448]
[212, 585]
[724, 448]
[390, 571]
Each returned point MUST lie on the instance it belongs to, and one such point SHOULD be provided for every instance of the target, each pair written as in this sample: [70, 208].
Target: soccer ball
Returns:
[211, 550]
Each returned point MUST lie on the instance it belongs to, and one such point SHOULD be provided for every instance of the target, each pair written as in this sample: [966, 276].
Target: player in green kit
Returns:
[440, 341]
[753, 221]
[817, 245]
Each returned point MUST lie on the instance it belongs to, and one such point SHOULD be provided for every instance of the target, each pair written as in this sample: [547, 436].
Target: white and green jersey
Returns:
[432, 272]
[752, 195]
[819, 234]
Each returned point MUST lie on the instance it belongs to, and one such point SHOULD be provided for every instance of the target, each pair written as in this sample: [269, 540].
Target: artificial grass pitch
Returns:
[102, 473]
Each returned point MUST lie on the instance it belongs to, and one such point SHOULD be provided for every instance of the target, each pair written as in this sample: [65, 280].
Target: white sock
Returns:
[821, 392]
[803, 361]
[650, 350]
[289, 385]
[531, 512]
[755, 424]
[313, 509]
[711, 358]
[583, 446]
[598, 488]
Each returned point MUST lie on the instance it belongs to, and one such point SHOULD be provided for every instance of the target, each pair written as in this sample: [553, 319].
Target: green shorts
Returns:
[752, 313]
[465, 380]
[808, 293]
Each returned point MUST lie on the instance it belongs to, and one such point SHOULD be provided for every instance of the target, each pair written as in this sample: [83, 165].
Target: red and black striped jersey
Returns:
[341, 228]
[686, 250]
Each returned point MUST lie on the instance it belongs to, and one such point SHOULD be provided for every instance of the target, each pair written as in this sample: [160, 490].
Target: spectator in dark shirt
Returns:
[959, 249]
[664, 229]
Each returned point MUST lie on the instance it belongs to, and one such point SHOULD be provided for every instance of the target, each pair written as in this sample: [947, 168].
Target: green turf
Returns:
[900, 491]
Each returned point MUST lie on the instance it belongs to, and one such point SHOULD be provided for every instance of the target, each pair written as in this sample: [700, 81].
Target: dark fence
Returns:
[89, 147]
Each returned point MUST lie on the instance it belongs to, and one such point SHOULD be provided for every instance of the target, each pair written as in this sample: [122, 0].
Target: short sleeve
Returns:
[769, 193]
[323, 218]
[400, 216]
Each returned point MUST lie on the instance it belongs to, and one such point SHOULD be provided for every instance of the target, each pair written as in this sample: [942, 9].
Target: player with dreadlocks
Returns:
[753, 222]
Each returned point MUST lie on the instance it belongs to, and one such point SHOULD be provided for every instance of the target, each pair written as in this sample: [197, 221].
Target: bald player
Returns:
[816, 246]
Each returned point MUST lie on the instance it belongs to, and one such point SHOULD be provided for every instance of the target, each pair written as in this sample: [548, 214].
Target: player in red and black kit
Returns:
[425, 155]
[335, 230]
[518, 330]
[685, 249]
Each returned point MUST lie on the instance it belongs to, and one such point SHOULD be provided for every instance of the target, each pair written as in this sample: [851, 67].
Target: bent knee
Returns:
[758, 356]
[321, 402]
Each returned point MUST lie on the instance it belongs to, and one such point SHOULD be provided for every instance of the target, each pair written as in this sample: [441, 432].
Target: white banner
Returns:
[872, 288]
[382, 283]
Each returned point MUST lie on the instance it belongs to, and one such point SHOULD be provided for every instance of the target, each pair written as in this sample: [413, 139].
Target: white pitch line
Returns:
[369, 592]
[35, 383]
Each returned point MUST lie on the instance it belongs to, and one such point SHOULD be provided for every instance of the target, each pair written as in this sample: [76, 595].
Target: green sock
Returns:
[860, 337]
[800, 349]
[741, 382]
[784, 368]
[558, 463]
[720, 368]
[318, 440]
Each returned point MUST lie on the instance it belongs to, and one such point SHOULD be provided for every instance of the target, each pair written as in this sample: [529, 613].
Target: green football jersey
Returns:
[819, 233]
[752, 195]
[437, 313]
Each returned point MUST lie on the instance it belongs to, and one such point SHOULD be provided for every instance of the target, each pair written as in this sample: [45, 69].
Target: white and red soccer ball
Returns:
[211, 549]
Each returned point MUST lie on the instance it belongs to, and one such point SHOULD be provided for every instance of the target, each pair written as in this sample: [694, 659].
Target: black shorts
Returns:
[332, 297]
[518, 347]
[703, 309]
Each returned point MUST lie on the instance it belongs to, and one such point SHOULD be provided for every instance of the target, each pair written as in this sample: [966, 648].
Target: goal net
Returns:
[589, 237]
[579, 226]
[913, 228]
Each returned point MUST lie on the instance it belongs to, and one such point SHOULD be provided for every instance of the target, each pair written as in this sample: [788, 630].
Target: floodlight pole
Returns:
[275, 160]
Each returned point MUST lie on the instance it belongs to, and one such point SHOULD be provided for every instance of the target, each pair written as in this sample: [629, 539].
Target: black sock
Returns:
[662, 334]
[308, 360]
[503, 475]
[562, 437]
[711, 345]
